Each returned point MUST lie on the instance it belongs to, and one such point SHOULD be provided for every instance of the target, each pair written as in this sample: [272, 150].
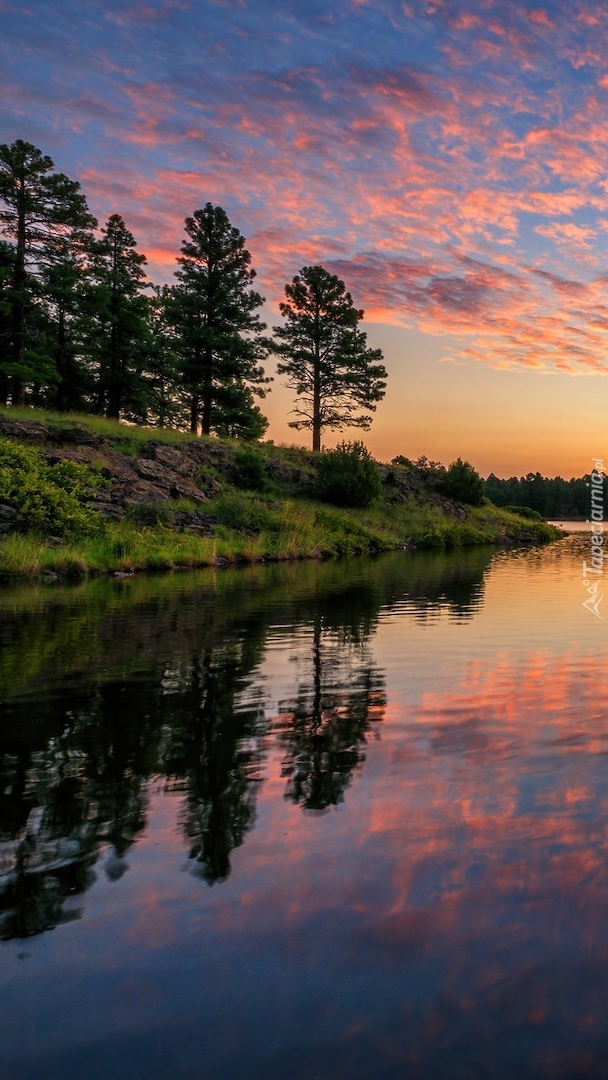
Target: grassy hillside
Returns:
[82, 495]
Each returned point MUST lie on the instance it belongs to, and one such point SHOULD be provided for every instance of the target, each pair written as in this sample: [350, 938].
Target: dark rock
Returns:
[194, 521]
[210, 454]
[110, 510]
[171, 458]
[165, 479]
[387, 474]
[10, 519]
[82, 455]
[120, 466]
[285, 474]
[139, 492]
[24, 430]
[209, 485]
[77, 436]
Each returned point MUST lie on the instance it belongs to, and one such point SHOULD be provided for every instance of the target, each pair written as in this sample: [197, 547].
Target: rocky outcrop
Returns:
[144, 482]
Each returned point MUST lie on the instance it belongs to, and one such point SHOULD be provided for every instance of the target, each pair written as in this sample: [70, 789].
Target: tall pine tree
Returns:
[120, 308]
[221, 335]
[7, 260]
[326, 359]
[65, 288]
[163, 402]
[40, 211]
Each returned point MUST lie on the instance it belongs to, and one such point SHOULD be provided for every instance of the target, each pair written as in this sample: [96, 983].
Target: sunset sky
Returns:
[448, 159]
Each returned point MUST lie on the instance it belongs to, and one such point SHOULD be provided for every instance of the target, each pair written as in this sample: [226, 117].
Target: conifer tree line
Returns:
[83, 330]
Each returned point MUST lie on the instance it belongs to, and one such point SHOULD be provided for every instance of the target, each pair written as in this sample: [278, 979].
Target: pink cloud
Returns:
[540, 18]
[458, 196]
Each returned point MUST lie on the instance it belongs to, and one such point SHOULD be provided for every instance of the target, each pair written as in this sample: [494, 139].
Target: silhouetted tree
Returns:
[326, 358]
[163, 400]
[67, 331]
[7, 260]
[462, 482]
[39, 212]
[214, 311]
[121, 312]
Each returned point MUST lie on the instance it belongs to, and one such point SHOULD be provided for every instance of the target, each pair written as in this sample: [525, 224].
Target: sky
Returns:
[448, 159]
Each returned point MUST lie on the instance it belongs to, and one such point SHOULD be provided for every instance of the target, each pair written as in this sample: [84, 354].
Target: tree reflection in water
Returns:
[210, 753]
[83, 789]
[97, 698]
[325, 726]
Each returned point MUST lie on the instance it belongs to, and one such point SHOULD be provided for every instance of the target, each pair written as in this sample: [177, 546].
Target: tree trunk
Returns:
[63, 390]
[207, 390]
[114, 382]
[194, 413]
[316, 405]
[18, 304]
[17, 391]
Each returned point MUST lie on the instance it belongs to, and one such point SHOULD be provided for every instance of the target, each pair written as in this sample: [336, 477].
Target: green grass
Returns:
[291, 530]
[114, 430]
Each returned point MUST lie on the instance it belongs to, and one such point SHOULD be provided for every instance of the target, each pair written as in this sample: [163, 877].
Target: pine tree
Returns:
[7, 261]
[121, 315]
[65, 288]
[326, 358]
[40, 210]
[163, 401]
[237, 415]
[214, 311]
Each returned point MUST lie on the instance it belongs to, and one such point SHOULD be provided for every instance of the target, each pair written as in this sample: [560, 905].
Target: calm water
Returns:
[314, 821]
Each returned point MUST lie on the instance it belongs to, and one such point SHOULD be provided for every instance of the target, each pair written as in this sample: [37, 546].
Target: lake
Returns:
[318, 820]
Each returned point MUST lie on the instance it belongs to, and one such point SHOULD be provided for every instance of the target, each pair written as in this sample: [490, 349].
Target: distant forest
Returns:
[553, 498]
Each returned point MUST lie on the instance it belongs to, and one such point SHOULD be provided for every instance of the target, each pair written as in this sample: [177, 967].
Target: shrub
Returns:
[525, 512]
[244, 514]
[50, 498]
[248, 471]
[462, 482]
[150, 514]
[348, 476]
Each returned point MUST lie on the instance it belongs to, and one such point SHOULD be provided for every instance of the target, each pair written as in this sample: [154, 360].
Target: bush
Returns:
[248, 471]
[348, 476]
[150, 514]
[50, 498]
[244, 514]
[525, 512]
[462, 482]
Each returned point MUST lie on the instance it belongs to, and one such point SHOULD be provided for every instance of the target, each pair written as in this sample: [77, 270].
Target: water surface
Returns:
[318, 820]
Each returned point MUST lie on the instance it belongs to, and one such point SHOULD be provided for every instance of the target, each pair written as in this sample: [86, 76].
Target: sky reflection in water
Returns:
[314, 821]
